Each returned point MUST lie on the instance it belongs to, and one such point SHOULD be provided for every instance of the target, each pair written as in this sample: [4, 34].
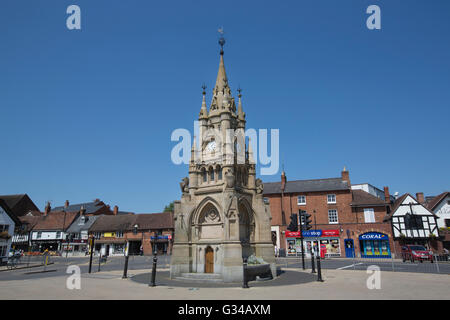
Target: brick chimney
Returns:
[387, 196]
[345, 176]
[420, 197]
[283, 181]
[66, 204]
[116, 210]
[48, 208]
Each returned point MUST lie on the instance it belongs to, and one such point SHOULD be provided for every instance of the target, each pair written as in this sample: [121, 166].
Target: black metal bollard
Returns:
[245, 279]
[91, 253]
[313, 267]
[99, 261]
[125, 268]
[155, 260]
[319, 270]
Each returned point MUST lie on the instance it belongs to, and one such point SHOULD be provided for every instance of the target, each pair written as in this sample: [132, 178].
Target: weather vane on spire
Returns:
[221, 39]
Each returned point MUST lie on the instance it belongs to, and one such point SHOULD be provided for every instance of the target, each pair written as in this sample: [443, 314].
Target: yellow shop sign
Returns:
[109, 235]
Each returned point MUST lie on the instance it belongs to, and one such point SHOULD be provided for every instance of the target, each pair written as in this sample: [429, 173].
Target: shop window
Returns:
[369, 215]
[4, 227]
[301, 200]
[3, 251]
[331, 198]
[333, 216]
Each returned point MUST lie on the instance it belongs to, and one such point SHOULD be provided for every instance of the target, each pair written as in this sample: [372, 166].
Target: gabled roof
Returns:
[147, 221]
[29, 221]
[91, 207]
[399, 201]
[295, 186]
[13, 200]
[363, 198]
[77, 226]
[56, 220]
[437, 200]
[113, 223]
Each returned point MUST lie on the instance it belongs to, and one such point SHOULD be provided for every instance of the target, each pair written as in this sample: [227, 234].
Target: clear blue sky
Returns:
[88, 114]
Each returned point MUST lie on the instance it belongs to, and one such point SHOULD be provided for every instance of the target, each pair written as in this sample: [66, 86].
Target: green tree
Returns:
[169, 208]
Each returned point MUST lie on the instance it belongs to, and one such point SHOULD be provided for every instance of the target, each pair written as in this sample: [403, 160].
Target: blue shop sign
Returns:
[312, 233]
[373, 236]
[159, 237]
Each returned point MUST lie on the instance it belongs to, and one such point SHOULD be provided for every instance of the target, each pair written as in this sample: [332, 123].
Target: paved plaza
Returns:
[292, 284]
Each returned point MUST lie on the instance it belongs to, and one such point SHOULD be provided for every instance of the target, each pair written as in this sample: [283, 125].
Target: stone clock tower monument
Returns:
[221, 217]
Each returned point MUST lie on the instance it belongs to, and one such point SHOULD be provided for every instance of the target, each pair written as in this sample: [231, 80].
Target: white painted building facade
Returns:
[412, 221]
[442, 211]
[7, 226]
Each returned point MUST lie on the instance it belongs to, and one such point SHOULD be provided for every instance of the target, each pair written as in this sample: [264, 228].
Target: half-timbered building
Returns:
[413, 223]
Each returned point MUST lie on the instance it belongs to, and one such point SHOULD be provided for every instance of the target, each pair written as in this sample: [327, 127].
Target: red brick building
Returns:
[348, 222]
[146, 231]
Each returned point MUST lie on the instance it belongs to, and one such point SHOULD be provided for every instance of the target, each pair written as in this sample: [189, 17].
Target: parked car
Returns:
[415, 252]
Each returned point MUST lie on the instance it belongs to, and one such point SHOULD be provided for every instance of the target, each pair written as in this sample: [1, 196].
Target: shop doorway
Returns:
[134, 248]
[209, 260]
[349, 248]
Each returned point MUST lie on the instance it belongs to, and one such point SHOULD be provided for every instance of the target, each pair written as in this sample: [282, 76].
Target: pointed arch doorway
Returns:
[209, 260]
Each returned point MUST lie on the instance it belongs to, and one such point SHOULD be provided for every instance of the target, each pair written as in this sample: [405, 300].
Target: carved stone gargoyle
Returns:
[259, 186]
[184, 185]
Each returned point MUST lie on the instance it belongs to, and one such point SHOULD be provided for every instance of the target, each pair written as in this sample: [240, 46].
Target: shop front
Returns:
[374, 245]
[76, 247]
[328, 240]
[113, 247]
[160, 243]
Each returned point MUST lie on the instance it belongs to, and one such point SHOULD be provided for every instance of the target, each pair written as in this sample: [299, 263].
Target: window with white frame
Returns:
[301, 200]
[332, 216]
[369, 215]
[331, 198]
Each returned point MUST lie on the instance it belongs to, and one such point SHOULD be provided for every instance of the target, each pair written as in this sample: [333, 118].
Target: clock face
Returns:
[211, 146]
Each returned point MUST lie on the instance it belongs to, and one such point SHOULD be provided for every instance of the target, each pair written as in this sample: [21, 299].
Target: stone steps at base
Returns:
[202, 276]
[199, 280]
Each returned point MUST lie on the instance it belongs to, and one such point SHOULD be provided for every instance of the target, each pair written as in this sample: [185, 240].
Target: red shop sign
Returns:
[330, 233]
[292, 234]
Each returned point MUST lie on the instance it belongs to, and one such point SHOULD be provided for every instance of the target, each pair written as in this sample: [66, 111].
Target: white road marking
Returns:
[349, 266]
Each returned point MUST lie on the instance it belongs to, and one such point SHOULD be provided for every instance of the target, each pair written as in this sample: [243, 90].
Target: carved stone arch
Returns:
[195, 217]
[247, 221]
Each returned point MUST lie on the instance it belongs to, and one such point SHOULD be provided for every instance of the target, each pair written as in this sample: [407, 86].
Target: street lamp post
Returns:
[319, 269]
[155, 260]
[92, 251]
[125, 268]
[301, 241]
